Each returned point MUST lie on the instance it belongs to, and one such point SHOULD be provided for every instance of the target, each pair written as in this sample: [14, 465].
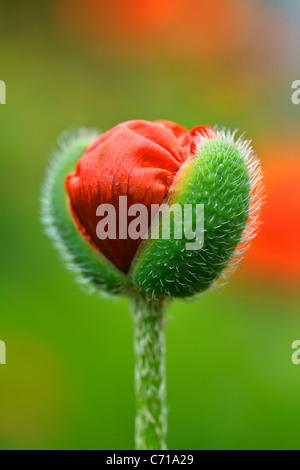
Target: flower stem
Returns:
[150, 375]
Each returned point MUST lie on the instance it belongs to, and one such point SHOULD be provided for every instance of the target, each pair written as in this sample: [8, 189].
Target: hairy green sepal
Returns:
[89, 265]
[218, 179]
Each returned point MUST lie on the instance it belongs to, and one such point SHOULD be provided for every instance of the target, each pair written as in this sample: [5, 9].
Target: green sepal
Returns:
[88, 264]
[217, 178]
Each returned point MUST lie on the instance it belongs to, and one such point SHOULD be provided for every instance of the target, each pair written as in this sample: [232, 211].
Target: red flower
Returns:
[137, 159]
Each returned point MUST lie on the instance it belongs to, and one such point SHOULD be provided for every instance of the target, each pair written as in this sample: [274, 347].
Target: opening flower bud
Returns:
[134, 176]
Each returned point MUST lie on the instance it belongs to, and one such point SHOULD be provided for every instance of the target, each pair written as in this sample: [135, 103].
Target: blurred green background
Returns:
[68, 382]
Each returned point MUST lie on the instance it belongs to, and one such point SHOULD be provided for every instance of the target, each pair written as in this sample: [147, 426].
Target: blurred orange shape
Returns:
[181, 27]
[275, 253]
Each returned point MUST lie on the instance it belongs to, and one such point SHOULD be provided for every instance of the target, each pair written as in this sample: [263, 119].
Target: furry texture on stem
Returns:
[150, 374]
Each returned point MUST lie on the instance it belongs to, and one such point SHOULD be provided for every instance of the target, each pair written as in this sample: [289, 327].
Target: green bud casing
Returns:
[82, 258]
[224, 176]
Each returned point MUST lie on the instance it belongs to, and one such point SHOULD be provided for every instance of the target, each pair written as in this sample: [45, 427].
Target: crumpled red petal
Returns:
[137, 159]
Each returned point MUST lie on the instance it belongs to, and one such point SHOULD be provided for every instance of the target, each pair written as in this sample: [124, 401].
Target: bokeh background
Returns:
[68, 382]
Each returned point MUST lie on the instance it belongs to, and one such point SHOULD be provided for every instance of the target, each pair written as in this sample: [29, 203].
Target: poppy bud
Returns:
[154, 163]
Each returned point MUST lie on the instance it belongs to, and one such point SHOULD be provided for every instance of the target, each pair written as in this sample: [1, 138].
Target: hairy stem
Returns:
[150, 375]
